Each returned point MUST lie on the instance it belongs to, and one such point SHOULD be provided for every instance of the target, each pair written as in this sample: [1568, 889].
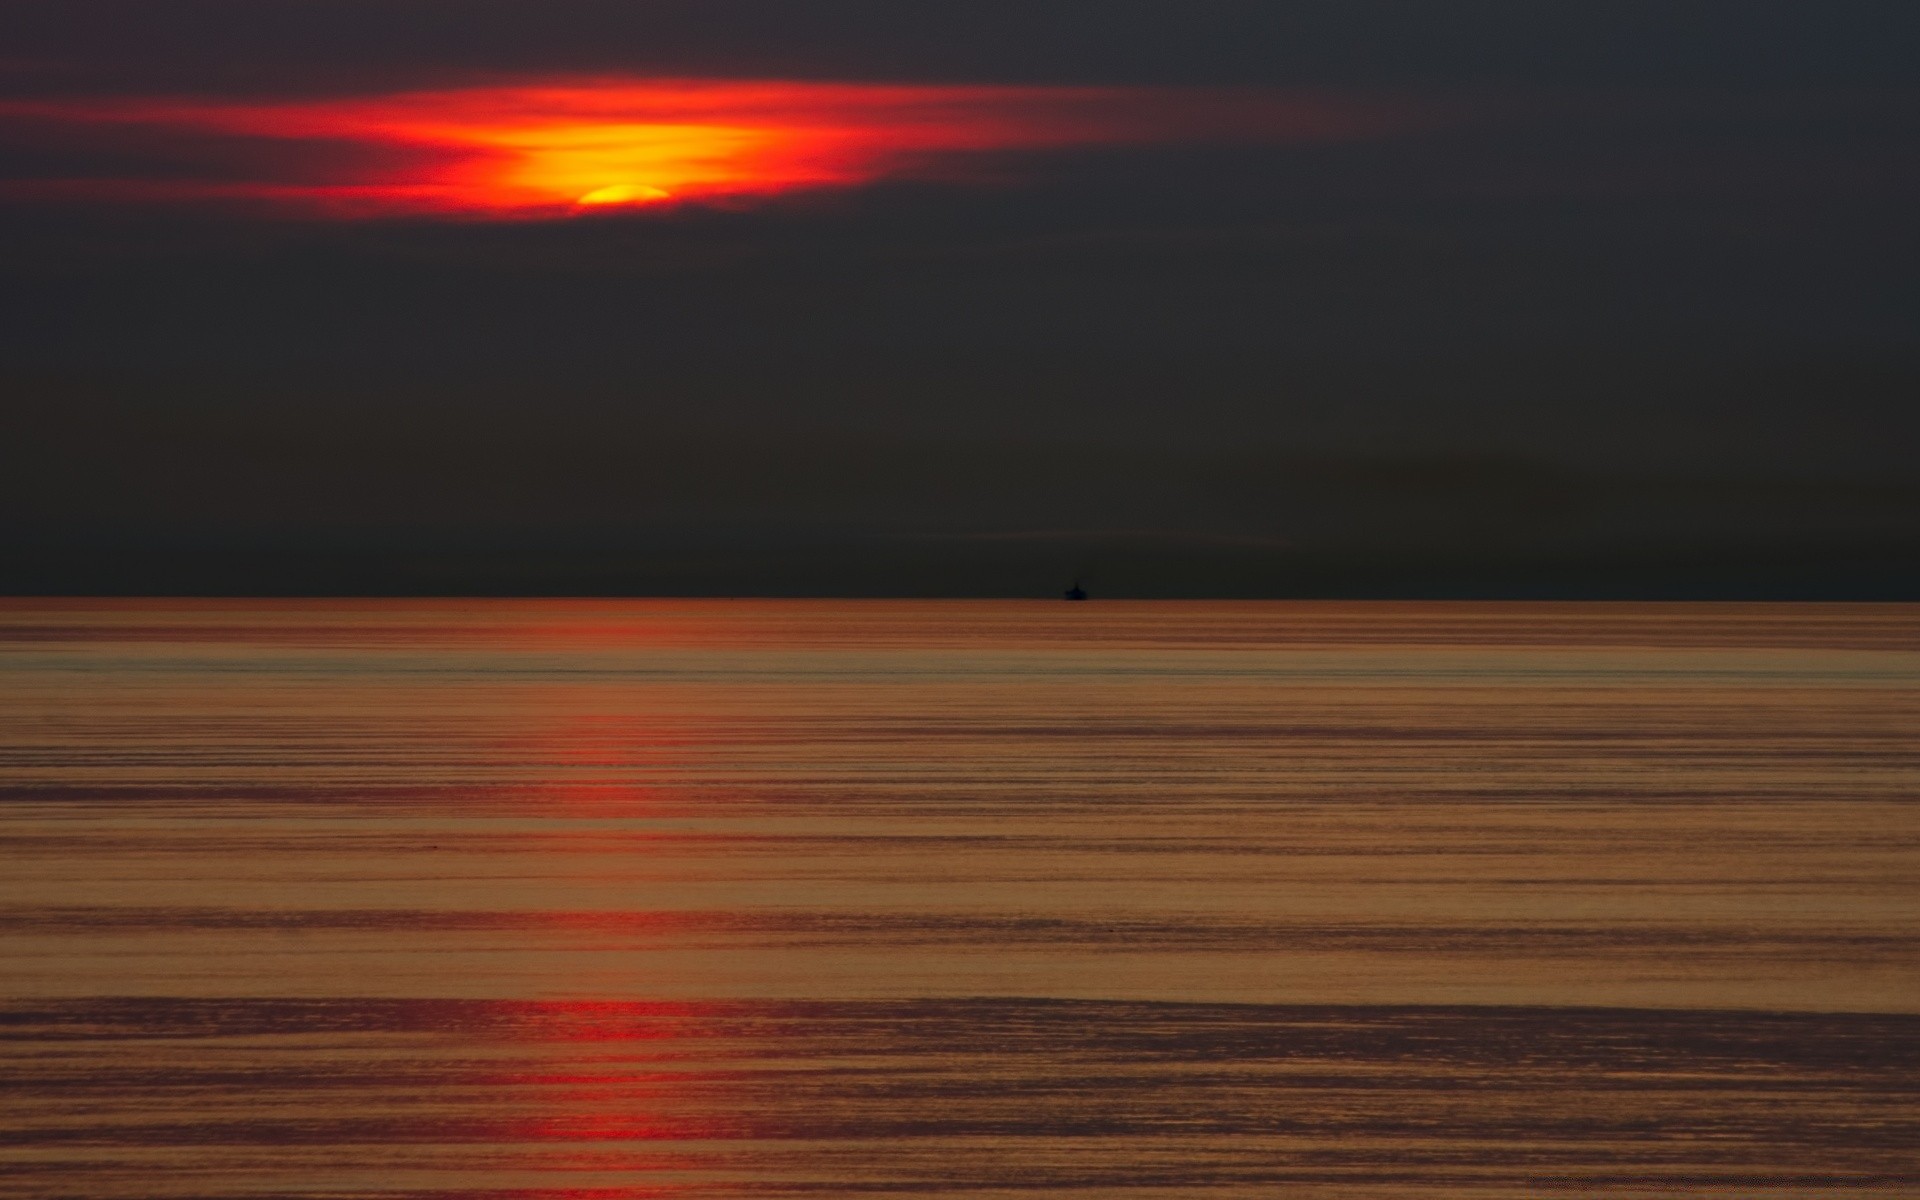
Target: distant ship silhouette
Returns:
[1076, 592]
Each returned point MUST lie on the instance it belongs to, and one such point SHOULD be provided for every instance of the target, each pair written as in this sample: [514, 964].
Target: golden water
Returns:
[718, 898]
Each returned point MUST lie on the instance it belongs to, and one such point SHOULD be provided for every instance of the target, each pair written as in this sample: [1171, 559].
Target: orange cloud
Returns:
[555, 148]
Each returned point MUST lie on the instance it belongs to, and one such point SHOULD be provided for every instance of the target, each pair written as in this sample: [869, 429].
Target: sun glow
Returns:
[624, 193]
[562, 147]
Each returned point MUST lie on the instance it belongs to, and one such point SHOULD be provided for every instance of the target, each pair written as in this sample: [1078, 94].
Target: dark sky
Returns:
[1620, 300]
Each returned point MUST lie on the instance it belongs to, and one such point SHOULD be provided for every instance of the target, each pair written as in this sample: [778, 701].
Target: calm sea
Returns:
[746, 898]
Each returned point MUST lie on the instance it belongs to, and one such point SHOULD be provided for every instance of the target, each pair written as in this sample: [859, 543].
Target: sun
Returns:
[623, 194]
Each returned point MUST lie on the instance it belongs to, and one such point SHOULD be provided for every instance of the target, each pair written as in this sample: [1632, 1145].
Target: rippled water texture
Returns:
[736, 898]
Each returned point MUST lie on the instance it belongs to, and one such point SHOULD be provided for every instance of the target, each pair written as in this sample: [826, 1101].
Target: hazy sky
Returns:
[1189, 297]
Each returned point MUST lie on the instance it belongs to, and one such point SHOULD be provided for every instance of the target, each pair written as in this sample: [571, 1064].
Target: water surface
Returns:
[710, 898]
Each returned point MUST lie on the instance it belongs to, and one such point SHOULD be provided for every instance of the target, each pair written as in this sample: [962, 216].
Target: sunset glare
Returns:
[554, 148]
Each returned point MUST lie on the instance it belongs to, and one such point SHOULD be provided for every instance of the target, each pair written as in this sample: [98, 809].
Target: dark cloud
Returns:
[354, 44]
[703, 476]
